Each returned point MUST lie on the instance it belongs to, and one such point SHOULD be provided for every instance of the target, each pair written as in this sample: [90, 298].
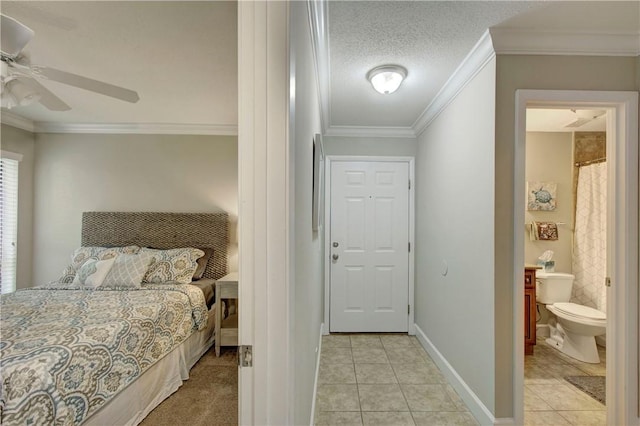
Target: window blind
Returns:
[8, 221]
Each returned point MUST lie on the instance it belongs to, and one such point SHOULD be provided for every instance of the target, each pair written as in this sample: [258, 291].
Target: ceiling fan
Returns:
[584, 116]
[20, 85]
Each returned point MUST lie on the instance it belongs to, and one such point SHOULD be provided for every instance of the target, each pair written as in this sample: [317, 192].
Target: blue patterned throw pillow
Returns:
[93, 272]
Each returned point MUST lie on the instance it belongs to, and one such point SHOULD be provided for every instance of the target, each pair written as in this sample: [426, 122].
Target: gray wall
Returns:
[23, 142]
[307, 251]
[549, 158]
[343, 145]
[454, 224]
[91, 172]
[532, 72]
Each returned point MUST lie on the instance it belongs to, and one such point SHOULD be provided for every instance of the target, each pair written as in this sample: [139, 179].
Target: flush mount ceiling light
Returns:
[387, 78]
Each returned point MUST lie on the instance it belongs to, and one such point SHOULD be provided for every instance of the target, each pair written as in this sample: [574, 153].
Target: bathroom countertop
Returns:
[531, 266]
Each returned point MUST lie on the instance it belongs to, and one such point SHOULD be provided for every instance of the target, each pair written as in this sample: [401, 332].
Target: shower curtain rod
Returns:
[588, 162]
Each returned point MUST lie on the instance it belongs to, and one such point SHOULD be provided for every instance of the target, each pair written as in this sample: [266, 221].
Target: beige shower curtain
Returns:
[590, 237]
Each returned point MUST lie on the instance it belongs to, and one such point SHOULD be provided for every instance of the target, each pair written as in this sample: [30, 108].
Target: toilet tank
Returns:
[552, 287]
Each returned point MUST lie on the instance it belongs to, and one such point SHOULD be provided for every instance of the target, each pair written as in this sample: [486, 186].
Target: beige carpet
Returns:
[209, 397]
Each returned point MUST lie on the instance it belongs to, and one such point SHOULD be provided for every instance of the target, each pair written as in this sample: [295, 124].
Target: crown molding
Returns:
[137, 128]
[512, 41]
[14, 120]
[119, 128]
[371, 132]
[505, 41]
[471, 65]
[319, 22]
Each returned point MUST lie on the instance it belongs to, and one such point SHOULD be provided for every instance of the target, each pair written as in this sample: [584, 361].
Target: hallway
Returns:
[383, 379]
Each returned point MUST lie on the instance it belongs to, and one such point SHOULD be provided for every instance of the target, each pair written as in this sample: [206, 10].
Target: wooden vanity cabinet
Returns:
[529, 310]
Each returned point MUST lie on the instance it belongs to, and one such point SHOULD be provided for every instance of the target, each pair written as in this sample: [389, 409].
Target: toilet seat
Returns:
[580, 311]
[573, 311]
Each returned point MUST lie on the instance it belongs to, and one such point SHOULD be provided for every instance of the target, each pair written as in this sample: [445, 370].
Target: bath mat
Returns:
[594, 386]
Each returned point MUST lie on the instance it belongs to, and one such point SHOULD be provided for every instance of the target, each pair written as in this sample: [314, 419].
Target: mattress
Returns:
[137, 400]
[65, 353]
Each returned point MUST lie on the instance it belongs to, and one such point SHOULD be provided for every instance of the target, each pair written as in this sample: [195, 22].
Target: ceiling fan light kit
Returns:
[14, 93]
[20, 84]
[386, 79]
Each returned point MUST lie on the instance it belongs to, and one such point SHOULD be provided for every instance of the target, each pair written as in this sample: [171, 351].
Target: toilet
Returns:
[576, 325]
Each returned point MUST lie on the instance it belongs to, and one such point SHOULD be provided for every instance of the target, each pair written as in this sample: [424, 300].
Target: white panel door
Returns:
[369, 246]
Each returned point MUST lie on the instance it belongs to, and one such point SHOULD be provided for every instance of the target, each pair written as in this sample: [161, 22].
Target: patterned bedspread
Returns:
[64, 352]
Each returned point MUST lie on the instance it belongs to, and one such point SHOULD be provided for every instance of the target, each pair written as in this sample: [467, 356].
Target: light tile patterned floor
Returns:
[389, 379]
[549, 399]
[385, 379]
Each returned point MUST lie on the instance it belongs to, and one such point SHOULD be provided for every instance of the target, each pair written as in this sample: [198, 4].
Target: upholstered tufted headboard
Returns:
[161, 231]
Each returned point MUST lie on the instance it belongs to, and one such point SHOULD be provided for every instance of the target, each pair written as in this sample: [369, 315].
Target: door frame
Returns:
[622, 240]
[329, 160]
[265, 165]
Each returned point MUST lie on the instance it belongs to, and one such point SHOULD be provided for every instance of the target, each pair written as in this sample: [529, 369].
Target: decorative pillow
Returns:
[92, 272]
[172, 265]
[127, 271]
[202, 263]
[82, 254]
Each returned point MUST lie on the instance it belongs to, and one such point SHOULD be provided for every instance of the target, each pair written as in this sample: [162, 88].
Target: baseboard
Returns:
[481, 413]
[315, 381]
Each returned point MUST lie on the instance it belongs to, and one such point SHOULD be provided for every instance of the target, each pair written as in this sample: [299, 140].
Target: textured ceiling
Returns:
[181, 57]
[429, 39]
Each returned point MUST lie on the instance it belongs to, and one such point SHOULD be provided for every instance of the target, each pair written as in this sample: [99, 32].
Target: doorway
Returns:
[565, 223]
[368, 238]
[622, 241]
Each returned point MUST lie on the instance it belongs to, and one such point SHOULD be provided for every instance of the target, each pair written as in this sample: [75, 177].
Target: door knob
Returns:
[335, 244]
[335, 257]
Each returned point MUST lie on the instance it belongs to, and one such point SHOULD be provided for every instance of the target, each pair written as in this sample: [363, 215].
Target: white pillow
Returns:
[128, 271]
[93, 272]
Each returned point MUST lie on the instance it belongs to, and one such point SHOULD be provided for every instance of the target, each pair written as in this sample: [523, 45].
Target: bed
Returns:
[100, 356]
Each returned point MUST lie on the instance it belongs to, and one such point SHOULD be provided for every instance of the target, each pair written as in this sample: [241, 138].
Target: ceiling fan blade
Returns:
[88, 84]
[14, 36]
[41, 12]
[47, 98]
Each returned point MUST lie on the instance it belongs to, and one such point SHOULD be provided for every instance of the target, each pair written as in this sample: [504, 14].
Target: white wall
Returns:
[23, 142]
[307, 253]
[77, 172]
[454, 224]
[549, 158]
[532, 72]
[343, 145]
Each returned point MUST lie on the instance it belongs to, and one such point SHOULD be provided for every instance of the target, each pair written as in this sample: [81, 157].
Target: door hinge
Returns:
[607, 282]
[409, 247]
[408, 309]
[245, 356]
[409, 183]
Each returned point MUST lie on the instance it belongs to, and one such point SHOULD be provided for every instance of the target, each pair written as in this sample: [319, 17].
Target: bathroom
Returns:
[565, 227]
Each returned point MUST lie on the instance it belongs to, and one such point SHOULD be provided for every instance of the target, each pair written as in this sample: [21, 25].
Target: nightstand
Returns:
[227, 329]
